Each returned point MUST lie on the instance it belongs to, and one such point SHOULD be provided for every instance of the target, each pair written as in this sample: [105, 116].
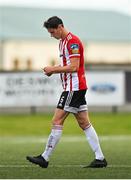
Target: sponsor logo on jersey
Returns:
[74, 48]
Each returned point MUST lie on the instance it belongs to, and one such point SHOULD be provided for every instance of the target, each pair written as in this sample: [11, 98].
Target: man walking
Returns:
[72, 99]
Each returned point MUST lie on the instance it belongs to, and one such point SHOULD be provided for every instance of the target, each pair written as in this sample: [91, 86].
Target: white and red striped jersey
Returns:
[70, 47]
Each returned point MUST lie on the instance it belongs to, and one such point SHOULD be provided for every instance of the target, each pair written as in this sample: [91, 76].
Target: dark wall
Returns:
[128, 86]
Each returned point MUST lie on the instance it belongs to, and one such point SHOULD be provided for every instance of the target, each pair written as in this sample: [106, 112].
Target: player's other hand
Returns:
[47, 74]
[47, 70]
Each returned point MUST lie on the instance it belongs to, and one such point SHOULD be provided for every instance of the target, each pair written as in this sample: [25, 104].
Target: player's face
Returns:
[55, 32]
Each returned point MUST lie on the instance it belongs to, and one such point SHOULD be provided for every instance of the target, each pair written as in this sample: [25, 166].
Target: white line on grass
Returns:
[20, 140]
[14, 166]
[119, 166]
[61, 166]
[22, 165]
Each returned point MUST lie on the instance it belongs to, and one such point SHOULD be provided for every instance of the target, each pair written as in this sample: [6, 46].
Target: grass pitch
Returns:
[24, 135]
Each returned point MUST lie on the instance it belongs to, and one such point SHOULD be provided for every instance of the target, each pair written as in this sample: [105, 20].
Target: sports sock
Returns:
[53, 139]
[94, 142]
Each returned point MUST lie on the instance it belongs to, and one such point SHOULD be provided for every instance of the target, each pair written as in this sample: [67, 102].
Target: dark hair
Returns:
[53, 22]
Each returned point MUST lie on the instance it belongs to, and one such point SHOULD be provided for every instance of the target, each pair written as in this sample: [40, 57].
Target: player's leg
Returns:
[91, 135]
[56, 132]
[54, 137]
[84, 122]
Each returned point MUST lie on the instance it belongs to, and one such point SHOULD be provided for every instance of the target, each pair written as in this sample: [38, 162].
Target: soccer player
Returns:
[72, 99]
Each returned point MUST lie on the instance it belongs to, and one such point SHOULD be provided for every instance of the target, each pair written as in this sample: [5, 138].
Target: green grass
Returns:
[22, 135]
[40, 124]
[66, 160]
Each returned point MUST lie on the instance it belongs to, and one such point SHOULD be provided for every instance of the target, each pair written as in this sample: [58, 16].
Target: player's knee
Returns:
[57, 122]
[83, 125]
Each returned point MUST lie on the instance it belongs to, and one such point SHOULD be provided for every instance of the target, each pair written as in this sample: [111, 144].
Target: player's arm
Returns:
[72, 67]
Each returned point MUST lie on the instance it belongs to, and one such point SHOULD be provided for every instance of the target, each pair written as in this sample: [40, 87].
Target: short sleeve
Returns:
[73, 48]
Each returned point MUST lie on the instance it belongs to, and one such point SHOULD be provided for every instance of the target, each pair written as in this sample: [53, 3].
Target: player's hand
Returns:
[47, 70]
[47, 74]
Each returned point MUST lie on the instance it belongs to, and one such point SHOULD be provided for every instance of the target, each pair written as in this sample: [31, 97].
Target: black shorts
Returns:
[73, 101]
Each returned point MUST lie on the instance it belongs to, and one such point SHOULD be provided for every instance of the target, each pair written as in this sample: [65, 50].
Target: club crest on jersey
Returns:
[74, 48]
